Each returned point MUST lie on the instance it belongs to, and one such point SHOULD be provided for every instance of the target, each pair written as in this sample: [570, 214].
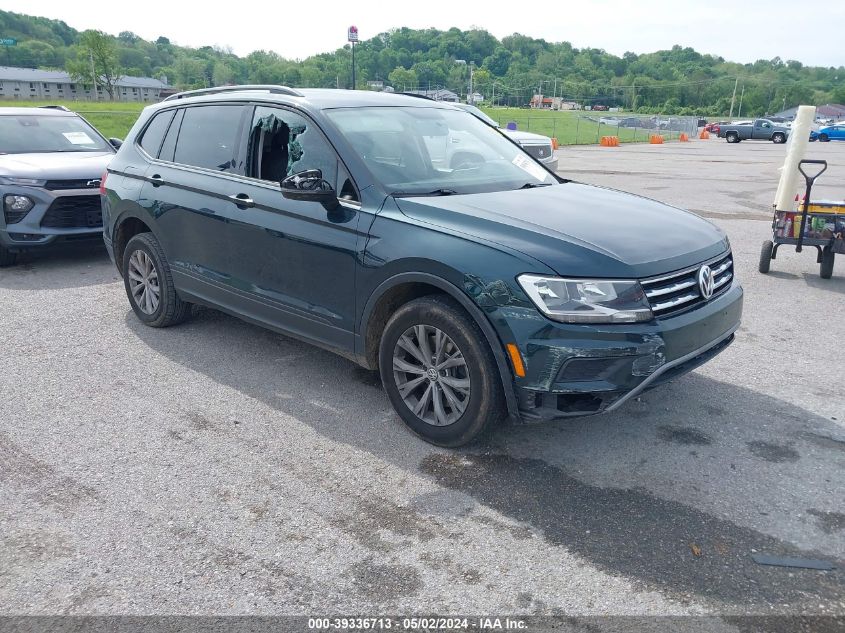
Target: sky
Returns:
[738, 30]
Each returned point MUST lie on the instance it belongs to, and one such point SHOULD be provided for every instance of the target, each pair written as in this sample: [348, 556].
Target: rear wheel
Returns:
[826, 268]
[439, 372]
[149, 283]
[778, 138]
[824, 138]
[732, 137]
[766, 256]
[7, 258]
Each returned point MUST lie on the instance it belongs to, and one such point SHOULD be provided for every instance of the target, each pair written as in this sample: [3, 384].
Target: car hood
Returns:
[578, 230]
[527, 137]
[55, 166]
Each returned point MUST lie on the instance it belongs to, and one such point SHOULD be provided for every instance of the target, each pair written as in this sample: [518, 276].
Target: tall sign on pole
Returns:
[352, 38]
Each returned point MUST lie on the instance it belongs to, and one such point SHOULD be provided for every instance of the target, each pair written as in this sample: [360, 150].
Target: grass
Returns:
[572, 127]
[112, 119]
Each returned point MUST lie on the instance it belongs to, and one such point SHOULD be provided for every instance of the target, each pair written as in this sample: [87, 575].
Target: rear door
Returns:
[191, 189]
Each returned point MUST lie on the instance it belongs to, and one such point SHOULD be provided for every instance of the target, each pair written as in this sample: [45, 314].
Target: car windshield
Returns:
[20, 134]
[436, 151]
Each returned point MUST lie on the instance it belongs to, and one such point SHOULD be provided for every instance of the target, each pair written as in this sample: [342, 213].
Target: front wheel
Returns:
[149, 283]
[439, 372]
[824, 138]
[778, 138]
[766, 256]
[826, 268]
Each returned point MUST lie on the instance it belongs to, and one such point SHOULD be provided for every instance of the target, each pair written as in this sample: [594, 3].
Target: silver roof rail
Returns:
[55, 107]
[282, 90]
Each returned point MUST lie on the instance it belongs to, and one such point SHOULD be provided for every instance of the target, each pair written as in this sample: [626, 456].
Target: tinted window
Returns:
[284, 143]
[169, 145]
[208, 137]
[154, 134]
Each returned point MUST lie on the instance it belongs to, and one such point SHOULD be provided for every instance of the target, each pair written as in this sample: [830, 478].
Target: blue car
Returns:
[834, 132]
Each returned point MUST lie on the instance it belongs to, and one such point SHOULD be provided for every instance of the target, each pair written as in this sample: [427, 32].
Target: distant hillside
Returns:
[676, 81]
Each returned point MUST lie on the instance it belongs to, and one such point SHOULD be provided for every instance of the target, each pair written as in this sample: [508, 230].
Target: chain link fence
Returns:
[582, 128]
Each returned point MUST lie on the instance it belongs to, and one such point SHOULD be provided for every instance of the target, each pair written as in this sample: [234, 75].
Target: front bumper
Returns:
[584, 370]
[52, 219]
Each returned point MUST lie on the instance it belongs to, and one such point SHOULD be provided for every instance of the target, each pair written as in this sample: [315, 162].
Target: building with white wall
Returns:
[45, 85]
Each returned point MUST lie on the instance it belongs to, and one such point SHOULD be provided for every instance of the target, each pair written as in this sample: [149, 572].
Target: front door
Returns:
[296, 259]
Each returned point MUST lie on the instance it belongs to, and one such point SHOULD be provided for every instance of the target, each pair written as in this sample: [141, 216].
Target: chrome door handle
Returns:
[242, 200]
[156, 180]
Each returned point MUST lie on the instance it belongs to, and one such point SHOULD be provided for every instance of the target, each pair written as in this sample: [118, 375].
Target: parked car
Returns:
[760, 130]
[490, 290]
[51, 160]
[537, 145]
[834, 132]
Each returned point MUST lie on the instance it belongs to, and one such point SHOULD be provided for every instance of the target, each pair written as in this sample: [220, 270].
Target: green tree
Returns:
[402, 79]
[96, 58]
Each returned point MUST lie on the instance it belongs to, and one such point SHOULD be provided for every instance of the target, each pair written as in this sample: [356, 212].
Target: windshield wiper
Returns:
[532, 185]
[435, 192]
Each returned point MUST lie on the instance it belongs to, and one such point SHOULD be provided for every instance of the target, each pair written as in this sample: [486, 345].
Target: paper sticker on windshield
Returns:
[78, 138]
[529, 166]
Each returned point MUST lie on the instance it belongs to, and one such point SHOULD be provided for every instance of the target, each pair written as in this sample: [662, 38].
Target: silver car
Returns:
[51, 161]
[537, 145]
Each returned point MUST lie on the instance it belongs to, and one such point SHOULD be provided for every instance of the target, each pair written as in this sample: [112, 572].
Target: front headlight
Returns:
[18, 204]
[14, 180]
[587, 300]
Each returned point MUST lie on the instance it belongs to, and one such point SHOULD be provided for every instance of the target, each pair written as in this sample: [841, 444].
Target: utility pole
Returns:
[470, 99]
[733, 99]
[741, 95]
[93, 75]
[493, 99]
[634, 97]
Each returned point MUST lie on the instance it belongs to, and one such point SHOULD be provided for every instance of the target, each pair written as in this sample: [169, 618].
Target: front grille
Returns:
[677, 292]
[84, 183]
[540, 152]
[74, 212]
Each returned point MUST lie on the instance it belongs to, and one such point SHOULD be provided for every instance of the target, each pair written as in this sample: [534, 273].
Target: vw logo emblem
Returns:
[432, 374]
[706, 281]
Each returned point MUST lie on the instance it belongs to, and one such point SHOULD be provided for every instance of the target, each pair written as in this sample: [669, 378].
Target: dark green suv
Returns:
[414, 239]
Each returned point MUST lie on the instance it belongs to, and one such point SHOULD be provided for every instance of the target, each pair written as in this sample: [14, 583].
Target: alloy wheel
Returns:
[143, 282]
[431, 374]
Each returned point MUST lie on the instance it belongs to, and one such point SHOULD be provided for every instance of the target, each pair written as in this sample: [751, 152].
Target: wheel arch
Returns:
[127, 226]
[403, 287]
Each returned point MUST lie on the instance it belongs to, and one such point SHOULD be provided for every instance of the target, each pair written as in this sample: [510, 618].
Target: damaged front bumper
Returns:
[575, 370]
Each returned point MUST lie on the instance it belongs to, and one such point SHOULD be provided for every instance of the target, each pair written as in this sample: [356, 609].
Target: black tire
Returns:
[171, 310]
[779, 138]
[824, 138]
[7, 258]
[485, 402]
[732, 137]
[826, 267]
[766, 256]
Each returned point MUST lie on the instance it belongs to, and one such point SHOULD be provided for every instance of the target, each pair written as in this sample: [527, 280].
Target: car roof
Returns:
[311, 98]
[39, 110]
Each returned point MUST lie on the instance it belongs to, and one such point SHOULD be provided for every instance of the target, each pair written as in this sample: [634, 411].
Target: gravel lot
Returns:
[219, 468]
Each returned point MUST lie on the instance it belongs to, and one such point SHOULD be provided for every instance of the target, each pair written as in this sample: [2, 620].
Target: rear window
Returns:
[208, 137]
[154, 134]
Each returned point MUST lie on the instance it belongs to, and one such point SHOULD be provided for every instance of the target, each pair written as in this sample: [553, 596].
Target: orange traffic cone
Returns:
[683, 138]
[656, 139]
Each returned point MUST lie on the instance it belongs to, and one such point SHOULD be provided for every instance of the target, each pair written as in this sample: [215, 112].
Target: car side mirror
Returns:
[310, 186]
[115, 142]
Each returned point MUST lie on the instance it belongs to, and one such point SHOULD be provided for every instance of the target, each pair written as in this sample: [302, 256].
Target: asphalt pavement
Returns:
[215, 467]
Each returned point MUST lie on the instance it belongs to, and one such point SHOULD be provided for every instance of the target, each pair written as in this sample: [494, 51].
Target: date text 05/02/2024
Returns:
[418, 623]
